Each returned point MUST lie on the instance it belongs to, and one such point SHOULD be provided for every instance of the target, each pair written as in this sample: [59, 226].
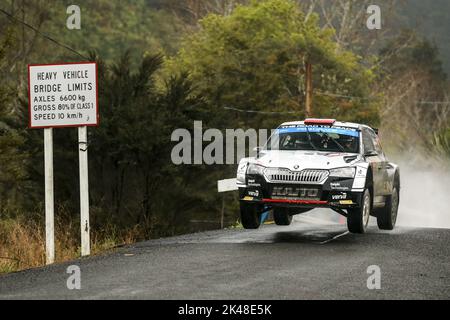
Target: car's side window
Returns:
[376, 142]
[369, 146]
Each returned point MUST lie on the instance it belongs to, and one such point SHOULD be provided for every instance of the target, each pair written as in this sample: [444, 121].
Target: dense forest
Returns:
[164, 64]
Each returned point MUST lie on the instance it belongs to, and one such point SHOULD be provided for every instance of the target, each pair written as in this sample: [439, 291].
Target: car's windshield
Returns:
[327, 139]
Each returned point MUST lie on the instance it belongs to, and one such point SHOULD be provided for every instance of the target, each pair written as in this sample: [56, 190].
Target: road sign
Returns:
[49, 201]
[63, 95]
[227, 185]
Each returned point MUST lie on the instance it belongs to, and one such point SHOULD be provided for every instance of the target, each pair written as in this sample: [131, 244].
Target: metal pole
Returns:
[308, 89]
[49, 197]
[222, 213]
[84, 191]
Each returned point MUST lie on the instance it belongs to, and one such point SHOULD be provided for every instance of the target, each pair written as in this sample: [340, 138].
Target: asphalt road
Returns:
[308, 260]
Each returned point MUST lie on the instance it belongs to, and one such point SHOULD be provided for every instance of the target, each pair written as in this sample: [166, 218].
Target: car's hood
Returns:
[300, 160]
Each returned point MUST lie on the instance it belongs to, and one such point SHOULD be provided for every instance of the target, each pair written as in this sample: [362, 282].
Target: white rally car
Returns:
[320, 163]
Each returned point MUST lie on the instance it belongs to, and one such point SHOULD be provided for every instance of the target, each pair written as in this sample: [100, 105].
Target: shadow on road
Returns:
[314, 236]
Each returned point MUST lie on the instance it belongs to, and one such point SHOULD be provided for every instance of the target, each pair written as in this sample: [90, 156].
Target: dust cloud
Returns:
[424, 196]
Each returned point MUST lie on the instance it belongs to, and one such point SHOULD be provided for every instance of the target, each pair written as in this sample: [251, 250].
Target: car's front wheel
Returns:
[387, 217]
[358, 218]
[250, 216]
[282, 216]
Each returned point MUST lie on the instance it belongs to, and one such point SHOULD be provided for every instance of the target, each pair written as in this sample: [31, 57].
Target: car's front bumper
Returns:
[334, 193]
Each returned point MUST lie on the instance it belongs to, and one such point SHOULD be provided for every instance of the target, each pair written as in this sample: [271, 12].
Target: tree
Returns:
[415, 92]
[12, 157]
[133, 181]
[348, 19]
[192, 11]
[254, 59]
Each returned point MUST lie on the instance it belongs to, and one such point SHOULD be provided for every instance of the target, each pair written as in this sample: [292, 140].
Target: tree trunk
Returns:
[308, 89]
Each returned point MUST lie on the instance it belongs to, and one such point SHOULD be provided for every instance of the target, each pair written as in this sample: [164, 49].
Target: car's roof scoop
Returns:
[322, 122]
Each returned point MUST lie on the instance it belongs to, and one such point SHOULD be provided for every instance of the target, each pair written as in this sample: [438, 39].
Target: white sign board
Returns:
[63, 95]
[227, 185]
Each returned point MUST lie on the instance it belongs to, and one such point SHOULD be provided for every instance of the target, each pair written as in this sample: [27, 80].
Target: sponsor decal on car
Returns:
[253, 183]
[341, 196]
[317, 129]
[338, 186]
[254, 194]
[294, 193]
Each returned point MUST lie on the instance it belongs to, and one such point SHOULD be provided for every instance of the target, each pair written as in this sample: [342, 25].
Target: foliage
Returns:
[415, 90]
[21, 241]
[429, 19]
[254, 59]
[12, 155]
[442, 143]
[107, 25]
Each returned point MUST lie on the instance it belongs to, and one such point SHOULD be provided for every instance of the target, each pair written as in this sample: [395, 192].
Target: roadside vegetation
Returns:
[164, 64]
[22, 241]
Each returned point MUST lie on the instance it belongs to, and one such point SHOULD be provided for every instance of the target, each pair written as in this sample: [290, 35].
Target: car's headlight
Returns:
[343, 172]
[242, 169]
[255, 169]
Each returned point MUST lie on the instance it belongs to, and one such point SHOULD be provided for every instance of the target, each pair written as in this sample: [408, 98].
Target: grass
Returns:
[22, 242]
[22, 237]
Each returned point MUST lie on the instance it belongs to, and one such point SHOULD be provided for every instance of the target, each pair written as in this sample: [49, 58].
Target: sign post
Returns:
[223, 186]
[49, 199]
[64, 95]
[84, 191]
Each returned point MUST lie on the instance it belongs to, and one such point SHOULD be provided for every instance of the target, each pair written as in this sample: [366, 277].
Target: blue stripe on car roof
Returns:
[340, 131]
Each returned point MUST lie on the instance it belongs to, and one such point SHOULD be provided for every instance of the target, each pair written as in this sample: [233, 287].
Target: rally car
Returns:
[320, 163]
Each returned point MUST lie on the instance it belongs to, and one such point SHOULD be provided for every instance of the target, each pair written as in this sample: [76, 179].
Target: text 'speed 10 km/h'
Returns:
[63, 95]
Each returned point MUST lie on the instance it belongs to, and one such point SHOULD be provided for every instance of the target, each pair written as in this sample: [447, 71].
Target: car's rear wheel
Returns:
[387, 216]
[250, 216]
[358, 218]
[282, 216]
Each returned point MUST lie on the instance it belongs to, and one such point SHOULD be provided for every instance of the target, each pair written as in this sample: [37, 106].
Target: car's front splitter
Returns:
[351, 200]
